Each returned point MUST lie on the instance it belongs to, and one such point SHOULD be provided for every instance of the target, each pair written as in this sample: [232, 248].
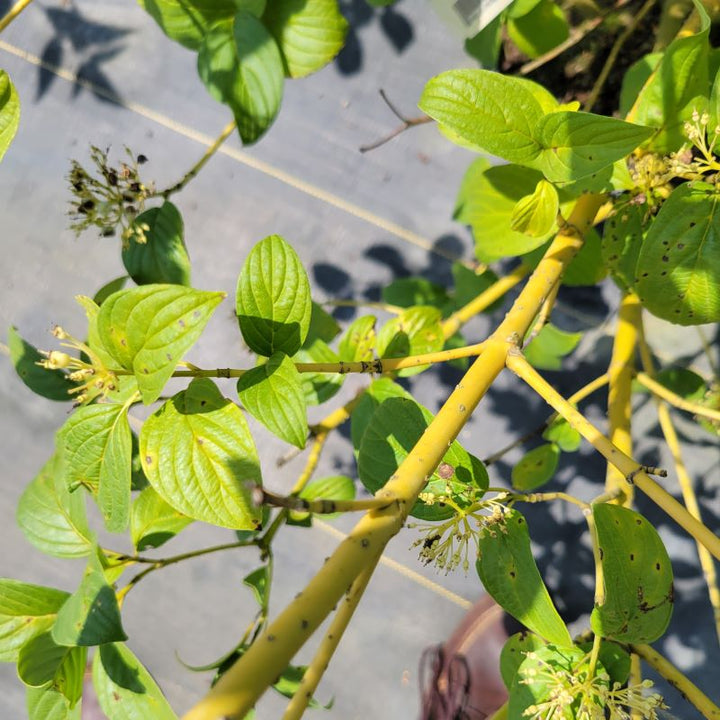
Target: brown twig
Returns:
[406, 123]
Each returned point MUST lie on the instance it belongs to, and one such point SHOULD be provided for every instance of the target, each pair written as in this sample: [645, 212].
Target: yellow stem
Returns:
[297, 706]
[311, 463]
[686, 486]
[320, 506]
[544, 315]
[599, 574]
[635, 679]
[14, 11]
[620, 374]
[630, 468]
[483, 301]
[675, 400]
[689, 691]
[241, 686]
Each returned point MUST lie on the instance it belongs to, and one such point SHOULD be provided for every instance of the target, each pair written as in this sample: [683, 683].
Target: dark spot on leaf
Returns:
[520, 520]
[196, 313]
[632, 557]
[146, 371]
[645, 274]
[638, 521]
[512, 573]
[148, 460]
[663, 273]
[657, 566]
[181, 323]
[200, 441]
[123, 342]
[680, 246]
[365, 542]
[168, 356]
[203, 403]
[116, 697]
[303, 624]
[692, 224]
[271, 638]
[665, 258]
[601, 553]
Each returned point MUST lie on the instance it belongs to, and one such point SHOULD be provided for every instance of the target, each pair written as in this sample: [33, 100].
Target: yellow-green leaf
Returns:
[535, 215]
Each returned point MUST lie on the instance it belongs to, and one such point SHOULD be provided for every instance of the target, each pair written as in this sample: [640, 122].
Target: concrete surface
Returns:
[357, 221]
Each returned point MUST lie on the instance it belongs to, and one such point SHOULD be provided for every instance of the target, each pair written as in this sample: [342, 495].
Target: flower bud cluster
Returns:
[109, 199]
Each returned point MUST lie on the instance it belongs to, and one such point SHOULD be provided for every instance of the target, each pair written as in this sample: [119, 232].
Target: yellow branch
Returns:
[686, 486]
[689, 691]
[620, 374]
[297, 706]
[241, 686]
[14, 11]
[675, 400]
[630, 468]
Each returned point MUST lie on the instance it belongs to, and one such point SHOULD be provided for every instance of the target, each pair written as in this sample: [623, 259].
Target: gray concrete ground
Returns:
[357, 221]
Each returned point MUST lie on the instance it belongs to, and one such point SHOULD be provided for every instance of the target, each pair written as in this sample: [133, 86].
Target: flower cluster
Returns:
[91, 379]
[696, 159]
[589, 694]
[109, 200]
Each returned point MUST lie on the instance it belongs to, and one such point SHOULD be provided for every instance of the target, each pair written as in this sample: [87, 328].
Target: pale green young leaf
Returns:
[51, 517]
[108, 289]
[318, 387]
[26, 610]
[540, 30]
[88, 440]
[156, 251]
[486, 202]
[486, 45]
[50, 704]
[671, 92]
[153, 522]
[148, 329]
[637, 601]
[323, 326]
[535, 215]
[358, 342]
[514, 651]
[490, 111]
[9, 112]
[335, 487]
[258, 582]
[92, 310]
[406, 292]
[50, 384]
[550, 345]
[115, 480]
[90, 616]
[392, 431]
[125, 689]
[415, 331]
[563, 435]
[273, 301]
[536, 467]
[272, 393]
[310, 33]
[188, 21]
[678, 267]
[508, 571]
[377, 392]
[574, 145]
[198, 454]
[241, 66]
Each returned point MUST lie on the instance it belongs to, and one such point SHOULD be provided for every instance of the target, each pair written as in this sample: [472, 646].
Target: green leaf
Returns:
[678, 268]
[623, 237]
[415, 331]
[9, 112]
[25, 611]
[536, 467]
[153, 522]
[638, 592]
[536, 682]
[376, 393]
[94, 443]
[681, 381]
[518, 8]
[670, 93]
[492, 112]
[272, 393]
[310, 33]
[486, 201]
[241, 66]
[90, 616]
[574, 145]
[116, 475]
[50, 704]
[513, 653]
[549, 347]
[148, 329]
[94, 342]
[42, 661]
[108, 289]
[508, 571]
[468, 285]
[540, 30]
[290, 682]
[125, 689]
[392, 432]
[635, 78]
[323, 326]
[198, 454]
[335, 487]
[51, 517]
[318, 387]
[273, 301]
[358, 342]
[156, 250]
[188, 21]
[563, 435]
[406, 292]
[613, 658]
[486, 45]
[258, 582]
[50, 384]
[536, 215]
